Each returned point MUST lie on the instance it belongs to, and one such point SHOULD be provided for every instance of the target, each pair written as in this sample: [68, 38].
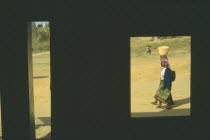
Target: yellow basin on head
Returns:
[163, 50]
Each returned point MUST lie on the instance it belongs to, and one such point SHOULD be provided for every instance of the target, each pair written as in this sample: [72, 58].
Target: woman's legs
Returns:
[170, 102]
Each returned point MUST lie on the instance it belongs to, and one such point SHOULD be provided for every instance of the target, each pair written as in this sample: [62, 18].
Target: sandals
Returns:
[154, 103]
[167, 107]
[158, 106]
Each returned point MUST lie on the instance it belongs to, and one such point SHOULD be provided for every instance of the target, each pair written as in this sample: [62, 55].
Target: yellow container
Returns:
[163, 50]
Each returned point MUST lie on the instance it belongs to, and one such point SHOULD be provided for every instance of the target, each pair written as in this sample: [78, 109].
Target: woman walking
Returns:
[163, 94]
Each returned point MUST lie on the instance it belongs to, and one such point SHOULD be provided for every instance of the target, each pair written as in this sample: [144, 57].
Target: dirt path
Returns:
[42, 97]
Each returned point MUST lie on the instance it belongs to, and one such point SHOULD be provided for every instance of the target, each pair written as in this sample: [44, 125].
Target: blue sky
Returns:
[41, 22]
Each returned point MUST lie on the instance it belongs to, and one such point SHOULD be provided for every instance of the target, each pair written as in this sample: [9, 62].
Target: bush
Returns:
[40, 38]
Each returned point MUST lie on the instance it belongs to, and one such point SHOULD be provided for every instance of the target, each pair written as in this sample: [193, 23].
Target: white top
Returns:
[162, 72]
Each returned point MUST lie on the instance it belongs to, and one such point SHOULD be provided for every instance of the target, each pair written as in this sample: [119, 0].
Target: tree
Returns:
[40, 25]
[40, 38]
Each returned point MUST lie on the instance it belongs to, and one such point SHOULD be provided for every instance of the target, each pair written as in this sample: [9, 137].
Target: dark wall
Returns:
[90, 83]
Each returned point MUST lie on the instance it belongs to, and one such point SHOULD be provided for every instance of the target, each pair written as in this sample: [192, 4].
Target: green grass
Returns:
[41, 64]
[38, 47]
[178, 46]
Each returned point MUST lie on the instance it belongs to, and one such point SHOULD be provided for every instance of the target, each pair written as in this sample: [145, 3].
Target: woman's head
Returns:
[164, 62]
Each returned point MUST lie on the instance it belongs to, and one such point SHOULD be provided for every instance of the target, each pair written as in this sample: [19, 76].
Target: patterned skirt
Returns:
[164, 95]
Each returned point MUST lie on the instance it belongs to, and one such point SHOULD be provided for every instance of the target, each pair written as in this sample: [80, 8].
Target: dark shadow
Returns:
[47, 122]
[181, 102]
[38, 77]
[163, 113]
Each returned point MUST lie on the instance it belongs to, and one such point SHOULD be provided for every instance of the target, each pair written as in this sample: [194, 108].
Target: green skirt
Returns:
[164, 95]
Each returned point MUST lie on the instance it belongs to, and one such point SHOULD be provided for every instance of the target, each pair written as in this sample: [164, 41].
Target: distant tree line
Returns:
[164, 37]
[40, 37]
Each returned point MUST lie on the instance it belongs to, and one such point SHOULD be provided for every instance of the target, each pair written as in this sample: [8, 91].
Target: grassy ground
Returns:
[178, 46]
[145, 74]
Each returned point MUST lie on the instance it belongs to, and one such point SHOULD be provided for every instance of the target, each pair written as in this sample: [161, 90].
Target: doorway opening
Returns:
[40, 43]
